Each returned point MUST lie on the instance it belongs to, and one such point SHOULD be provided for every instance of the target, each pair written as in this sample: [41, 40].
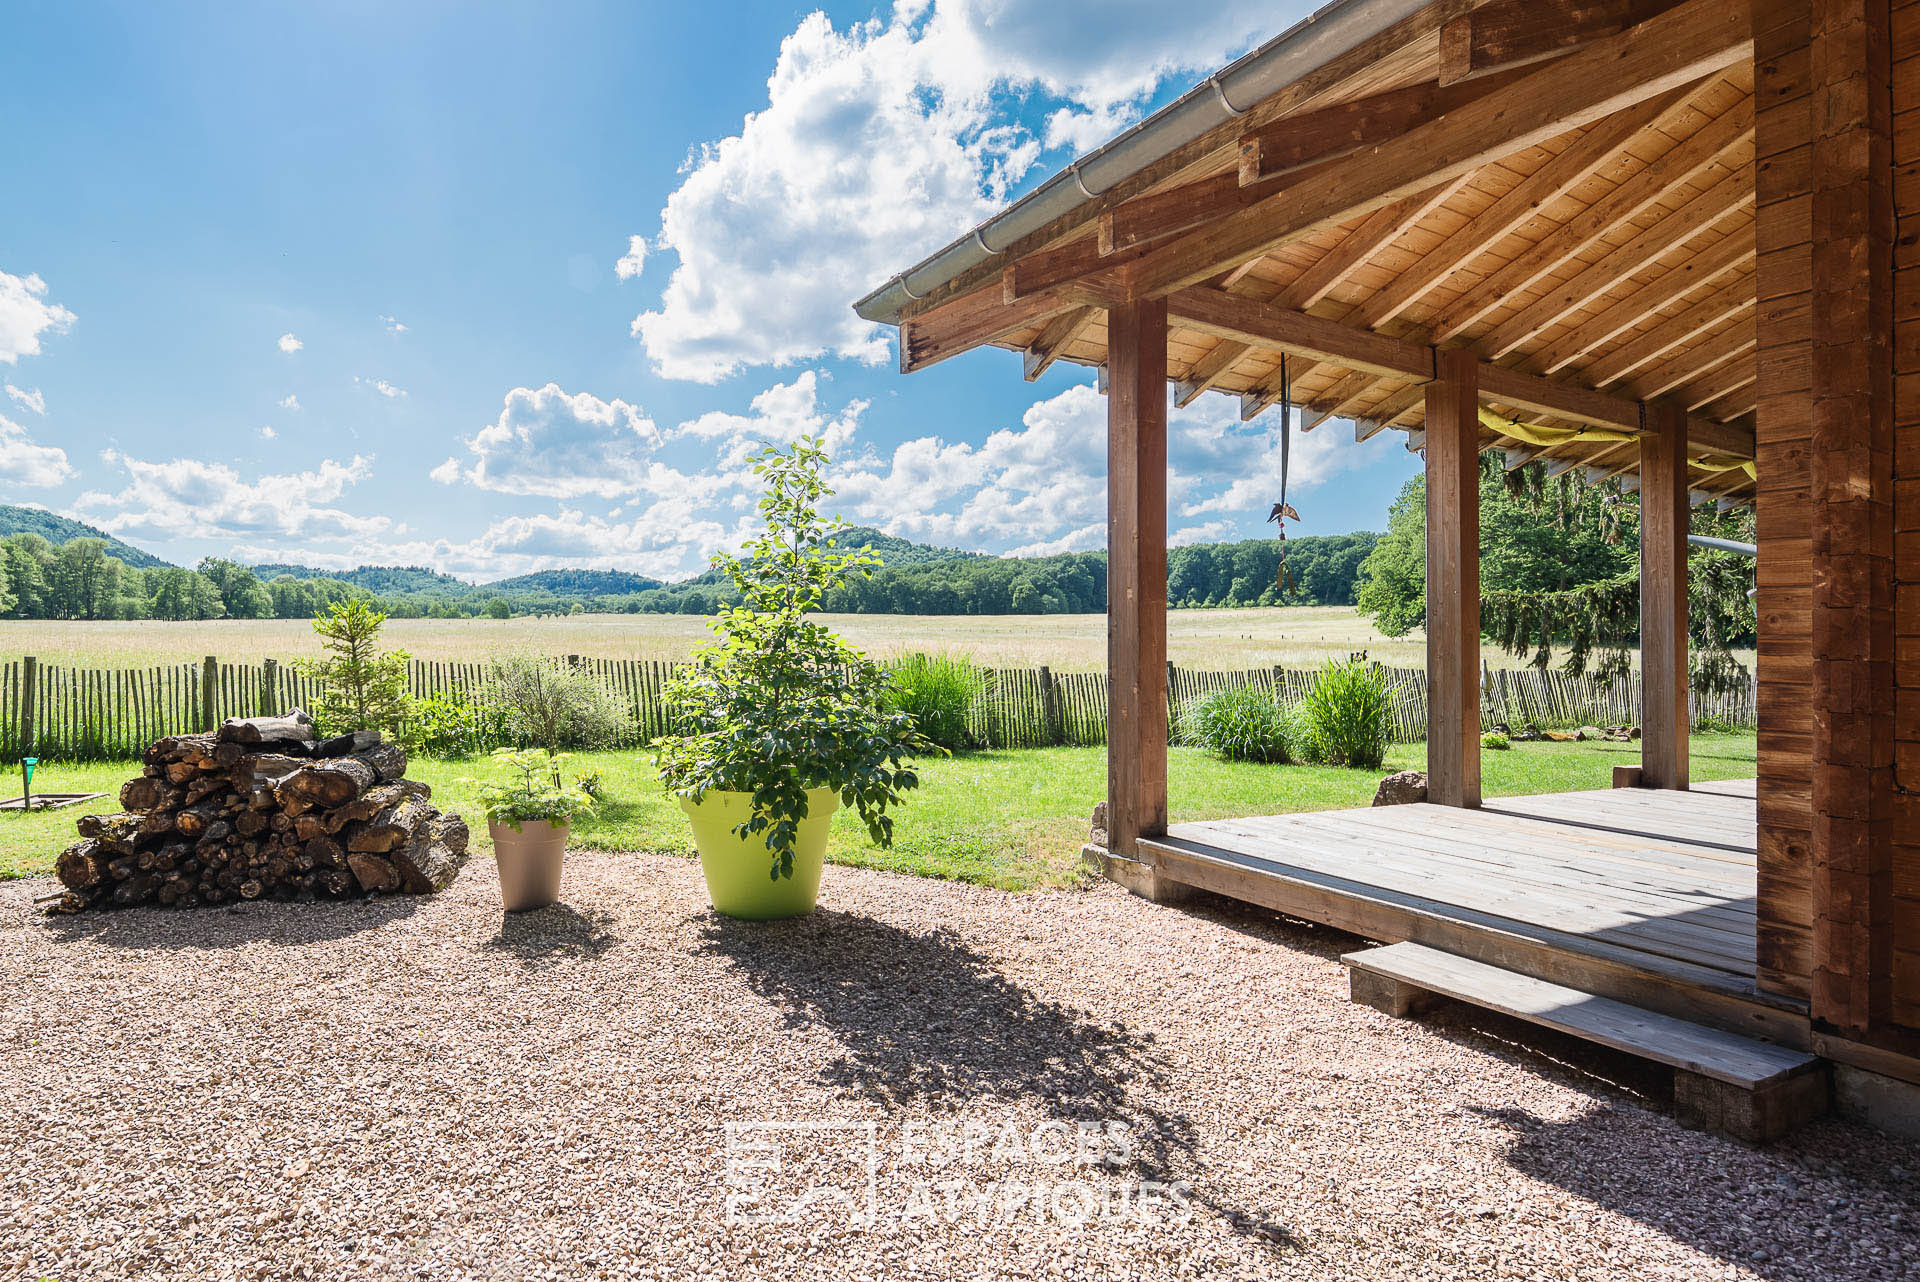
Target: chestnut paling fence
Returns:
[67, 713]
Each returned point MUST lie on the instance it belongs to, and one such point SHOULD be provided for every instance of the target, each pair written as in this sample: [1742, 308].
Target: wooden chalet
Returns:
[1666, 242]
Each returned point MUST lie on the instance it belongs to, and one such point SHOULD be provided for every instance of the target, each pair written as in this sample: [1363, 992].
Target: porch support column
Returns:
[1453, 580]
[1137, 579]
[1664, 716]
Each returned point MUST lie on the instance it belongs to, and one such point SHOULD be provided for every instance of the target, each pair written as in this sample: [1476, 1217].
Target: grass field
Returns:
[1013, 820]
[1297, 636]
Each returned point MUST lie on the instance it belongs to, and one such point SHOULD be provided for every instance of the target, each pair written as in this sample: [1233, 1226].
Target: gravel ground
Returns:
[967, 1084]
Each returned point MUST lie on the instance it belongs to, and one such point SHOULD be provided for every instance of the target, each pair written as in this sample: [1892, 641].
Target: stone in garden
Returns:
[1097, 831]
[1560, 736]
[1590, 734]
[1403, 789]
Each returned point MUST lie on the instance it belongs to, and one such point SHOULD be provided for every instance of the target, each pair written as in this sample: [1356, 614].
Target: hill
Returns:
[59, 530]
[378, 579]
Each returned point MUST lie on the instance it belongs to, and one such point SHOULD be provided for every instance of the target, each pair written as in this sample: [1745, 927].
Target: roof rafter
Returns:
[1054, 339]
[1511, 33]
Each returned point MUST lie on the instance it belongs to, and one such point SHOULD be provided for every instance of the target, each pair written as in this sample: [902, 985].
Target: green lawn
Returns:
[1009, 819]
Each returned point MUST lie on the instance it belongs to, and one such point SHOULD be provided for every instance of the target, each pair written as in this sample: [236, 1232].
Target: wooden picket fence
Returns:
[64, 713]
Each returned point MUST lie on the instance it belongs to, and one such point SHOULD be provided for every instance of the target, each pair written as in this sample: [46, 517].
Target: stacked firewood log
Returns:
[263, 808]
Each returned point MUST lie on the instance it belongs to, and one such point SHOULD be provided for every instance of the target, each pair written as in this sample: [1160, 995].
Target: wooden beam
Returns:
[1512, 33]
[1734, 192]
[972, 321]
[1705, 436]
[1566, 400]
[1296, 142]
[1676, 48]
[1596, 148]
[1729, 378]
[1703, 317]
[1207, 370]
[1691, 362]
[1701, 148]
[1054, 339]
[1453, 581]
[1136, 574]
[1665, 723]
[1259, 324]
[1734, 254]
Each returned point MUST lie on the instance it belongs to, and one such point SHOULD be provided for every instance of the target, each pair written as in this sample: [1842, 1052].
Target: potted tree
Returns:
[779, 721]
[530, 813]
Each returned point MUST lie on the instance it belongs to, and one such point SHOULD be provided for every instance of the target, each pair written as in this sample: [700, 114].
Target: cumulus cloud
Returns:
[634, 261]
[381, 386]
[393, 326]
[290, 402]
[26, 463]
[883, 141]
[34, 400]
[267, 434]
[289, 344]
[192, 498]
[25, 314]
[562, 445]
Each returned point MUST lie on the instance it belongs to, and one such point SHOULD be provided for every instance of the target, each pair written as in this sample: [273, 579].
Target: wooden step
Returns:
[1752, 1090]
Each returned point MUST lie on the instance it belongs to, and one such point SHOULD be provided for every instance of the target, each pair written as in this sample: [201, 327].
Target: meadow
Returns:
[1219, 640]
[1011, 819]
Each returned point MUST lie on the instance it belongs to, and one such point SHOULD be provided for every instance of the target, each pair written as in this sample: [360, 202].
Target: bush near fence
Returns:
[60, 713]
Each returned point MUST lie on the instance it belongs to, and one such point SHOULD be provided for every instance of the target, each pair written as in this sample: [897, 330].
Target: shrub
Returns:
[936, 691]
[531, 790]
[447, 724]
[1343, 718]
[1245, 723]
[1495, 740]
[553, 704]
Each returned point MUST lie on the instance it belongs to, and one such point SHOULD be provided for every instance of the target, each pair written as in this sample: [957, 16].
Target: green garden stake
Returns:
[26, 782]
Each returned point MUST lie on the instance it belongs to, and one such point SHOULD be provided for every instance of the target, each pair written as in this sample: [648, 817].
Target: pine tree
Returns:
[363, 687]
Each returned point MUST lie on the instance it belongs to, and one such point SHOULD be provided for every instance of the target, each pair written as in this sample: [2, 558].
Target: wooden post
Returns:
[269, 701]
[1855, 821]
[1664, 720]
[210, 694]
[29, 683]
[1453, 580]
[1056, 728]
[1137, 577]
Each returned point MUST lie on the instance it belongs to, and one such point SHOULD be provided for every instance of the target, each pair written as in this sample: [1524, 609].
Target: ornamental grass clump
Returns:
[937, 691]
[777, 704]
[1244, 723]
[1342, 721]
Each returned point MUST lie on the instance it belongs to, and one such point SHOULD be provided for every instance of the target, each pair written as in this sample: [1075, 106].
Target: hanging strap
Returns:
[1281, 511]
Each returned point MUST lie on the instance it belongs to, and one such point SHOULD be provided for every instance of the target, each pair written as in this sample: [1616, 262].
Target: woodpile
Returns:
[263, 808]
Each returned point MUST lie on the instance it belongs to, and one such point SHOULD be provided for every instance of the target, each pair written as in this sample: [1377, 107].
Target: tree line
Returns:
[80, 579]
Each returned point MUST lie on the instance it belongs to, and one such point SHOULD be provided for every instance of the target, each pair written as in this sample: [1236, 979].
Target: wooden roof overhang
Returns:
[1564, 187]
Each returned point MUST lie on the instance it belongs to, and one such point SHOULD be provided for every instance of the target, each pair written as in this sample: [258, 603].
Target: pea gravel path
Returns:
[420, 1089]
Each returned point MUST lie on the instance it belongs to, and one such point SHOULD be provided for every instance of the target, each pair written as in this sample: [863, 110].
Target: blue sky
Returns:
[351, 283]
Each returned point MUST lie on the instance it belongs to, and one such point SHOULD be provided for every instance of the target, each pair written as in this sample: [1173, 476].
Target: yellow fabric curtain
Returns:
[1533, 434]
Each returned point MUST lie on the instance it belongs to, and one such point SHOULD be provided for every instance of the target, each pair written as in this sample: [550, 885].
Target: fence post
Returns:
[29, 692]
[269, 700]
[1050, 708]
[209, 694]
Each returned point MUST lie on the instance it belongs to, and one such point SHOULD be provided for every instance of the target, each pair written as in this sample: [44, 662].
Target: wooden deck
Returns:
[1640, 895]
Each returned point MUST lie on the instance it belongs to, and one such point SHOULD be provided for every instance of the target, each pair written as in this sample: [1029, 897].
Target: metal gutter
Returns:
[1223, 96]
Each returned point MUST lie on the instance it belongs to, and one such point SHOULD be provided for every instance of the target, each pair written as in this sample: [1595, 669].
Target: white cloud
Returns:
[381, 386]
[561, 445]
[25, 314]
[34, 400]
[290, 402]
[267, 433]
[883, 141]
[289, 344]
[191, 498]
[446, 473]
[393, 326]
[634, 261]
[24, 462]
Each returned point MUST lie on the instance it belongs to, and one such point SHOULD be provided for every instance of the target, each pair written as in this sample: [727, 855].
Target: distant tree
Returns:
[242, 595]
[85, 581]
[174, 593]
[27, 558]
[498, 609]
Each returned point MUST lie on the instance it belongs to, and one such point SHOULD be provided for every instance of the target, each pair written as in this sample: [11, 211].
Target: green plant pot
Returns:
[736, 868]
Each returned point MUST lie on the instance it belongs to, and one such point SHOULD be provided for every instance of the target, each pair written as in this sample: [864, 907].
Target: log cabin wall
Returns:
[1783, 123]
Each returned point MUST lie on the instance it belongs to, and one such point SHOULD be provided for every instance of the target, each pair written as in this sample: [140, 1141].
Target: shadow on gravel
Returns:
[1810, 1206]
[151, 929]
[928, 1021]
[554, 934]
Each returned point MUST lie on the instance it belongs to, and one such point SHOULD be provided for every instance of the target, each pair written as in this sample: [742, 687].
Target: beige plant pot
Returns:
[529, 859]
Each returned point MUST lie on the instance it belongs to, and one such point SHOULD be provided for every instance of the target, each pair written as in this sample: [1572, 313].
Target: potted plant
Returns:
[530, 812]
[779, 721]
